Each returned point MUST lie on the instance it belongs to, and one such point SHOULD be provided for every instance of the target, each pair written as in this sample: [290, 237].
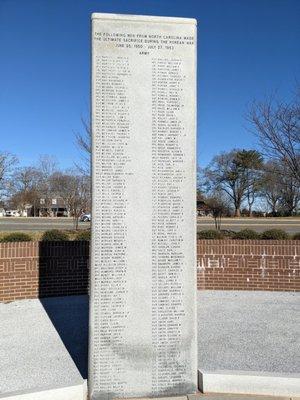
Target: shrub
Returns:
[296, 236]
[83, 235]
[245, 234]
[226, 233]
[16, 237]
[274, 234]
[209, 234]
[54, 235]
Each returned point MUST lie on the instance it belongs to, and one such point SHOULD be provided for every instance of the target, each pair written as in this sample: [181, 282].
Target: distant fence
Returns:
[44, 269]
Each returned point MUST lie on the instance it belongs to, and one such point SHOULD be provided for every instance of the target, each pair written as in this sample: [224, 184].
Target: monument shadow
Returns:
[63, 288]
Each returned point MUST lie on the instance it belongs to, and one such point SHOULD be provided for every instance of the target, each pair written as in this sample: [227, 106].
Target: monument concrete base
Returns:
[158, 398]
[219, 396]
[77, 392]
[250, 382]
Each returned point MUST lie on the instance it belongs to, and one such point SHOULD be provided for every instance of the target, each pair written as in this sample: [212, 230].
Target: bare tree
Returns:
[7, 162]
[46, 166]
[23, 187]
[271, 188]
[219, 208]
[233, 173]
[82, 197]
[277, 125]
[21, 201]
[25, 179]
[74, 189]
[290, 194]
[252, 162]
[84, 143]
[280, 190]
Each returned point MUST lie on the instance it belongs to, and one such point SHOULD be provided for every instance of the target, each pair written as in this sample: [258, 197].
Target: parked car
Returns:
[85, 217]
[12, 213]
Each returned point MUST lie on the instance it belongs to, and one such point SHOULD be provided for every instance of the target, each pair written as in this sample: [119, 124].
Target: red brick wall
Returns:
[43, 269]
[31, 269]
[248, 265]
[18, 271]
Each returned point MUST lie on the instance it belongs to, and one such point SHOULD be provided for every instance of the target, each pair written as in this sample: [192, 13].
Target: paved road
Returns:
[38, 224]
[290, 225]
[258, 224]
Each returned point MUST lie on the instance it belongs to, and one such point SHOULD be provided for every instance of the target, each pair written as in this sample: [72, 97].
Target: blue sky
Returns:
[246, 49]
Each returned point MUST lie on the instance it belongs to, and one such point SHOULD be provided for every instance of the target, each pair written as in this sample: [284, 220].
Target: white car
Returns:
[12, 213]
[85, 217]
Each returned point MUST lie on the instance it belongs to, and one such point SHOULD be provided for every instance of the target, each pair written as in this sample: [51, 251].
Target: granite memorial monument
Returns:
[143, 260]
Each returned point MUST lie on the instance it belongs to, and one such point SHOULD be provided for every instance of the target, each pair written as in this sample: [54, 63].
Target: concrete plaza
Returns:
[43, 343]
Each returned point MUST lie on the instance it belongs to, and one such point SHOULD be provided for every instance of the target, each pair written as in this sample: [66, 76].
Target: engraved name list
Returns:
[143, 283]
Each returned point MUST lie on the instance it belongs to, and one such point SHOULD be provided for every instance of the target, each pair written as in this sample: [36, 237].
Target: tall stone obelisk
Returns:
[143, 258]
